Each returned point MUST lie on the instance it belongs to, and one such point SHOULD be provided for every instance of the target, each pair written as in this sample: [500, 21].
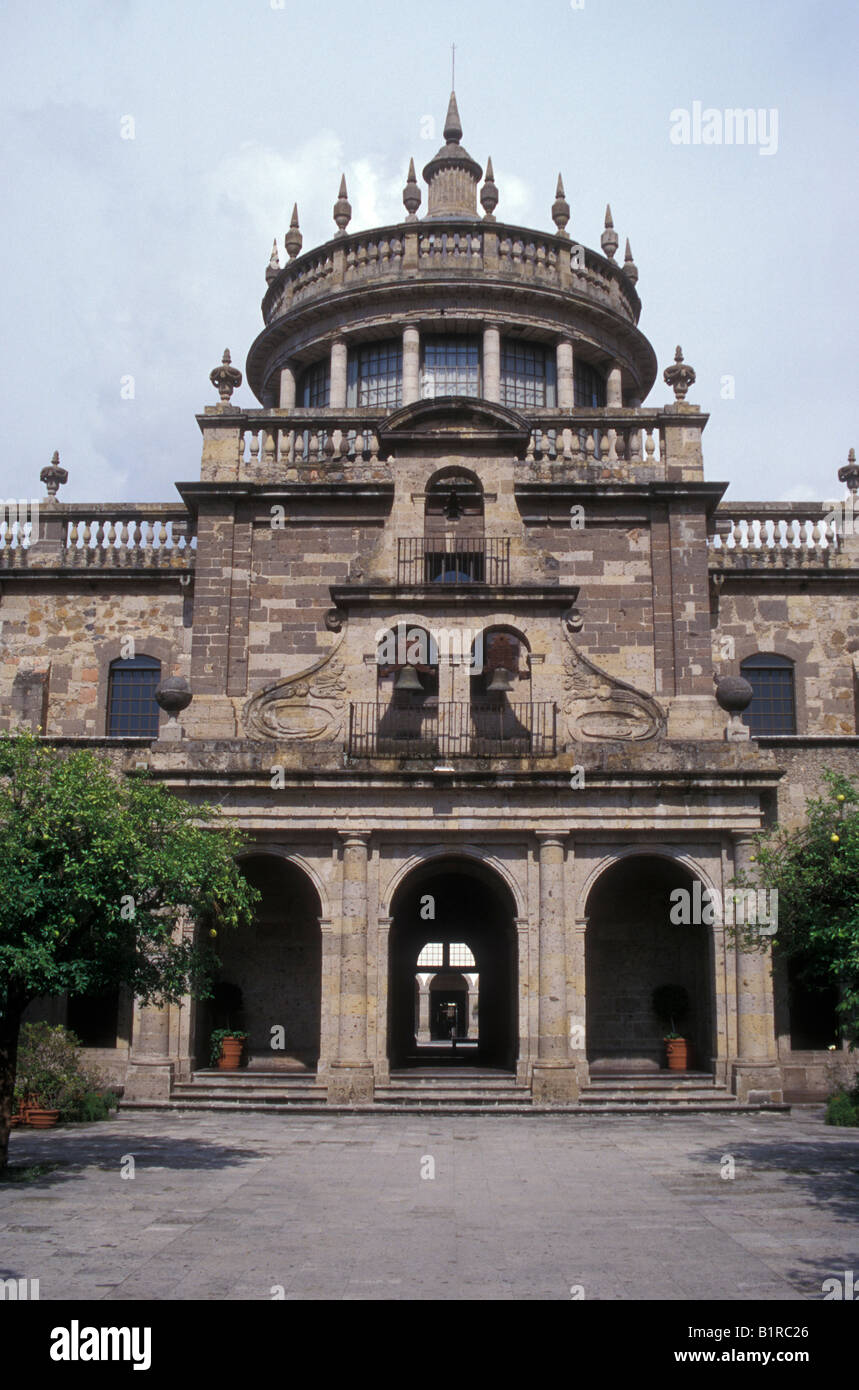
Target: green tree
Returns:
[97, 868]
[816, 872]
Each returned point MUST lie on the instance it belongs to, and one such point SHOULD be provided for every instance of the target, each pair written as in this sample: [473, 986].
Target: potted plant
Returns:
[227, 1047]
[671, 1005]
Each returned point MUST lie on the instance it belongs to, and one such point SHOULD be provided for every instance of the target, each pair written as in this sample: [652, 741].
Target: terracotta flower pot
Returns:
[231, 1054]
[38, 1118]
[677, 1050]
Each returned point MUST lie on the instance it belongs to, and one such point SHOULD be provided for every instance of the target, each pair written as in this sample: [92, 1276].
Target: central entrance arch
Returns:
[453, 941]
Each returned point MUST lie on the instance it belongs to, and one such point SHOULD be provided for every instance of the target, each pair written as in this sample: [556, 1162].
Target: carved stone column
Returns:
[756, 1073]
[491, 364]
[564, 370]
[424, 1008]
[614, 386]
[330, 999]
[287, 389]
[351, 1074]
[337, 391]
[554, 1076]
[150, 1069]
[411, 364]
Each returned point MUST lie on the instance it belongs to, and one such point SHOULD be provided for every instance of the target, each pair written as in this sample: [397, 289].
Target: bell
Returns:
[408, 679]
[501, 683]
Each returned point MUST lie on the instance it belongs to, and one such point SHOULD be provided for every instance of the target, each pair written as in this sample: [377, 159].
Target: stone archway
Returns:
[270, 974]
[631, 947]
[454, 901]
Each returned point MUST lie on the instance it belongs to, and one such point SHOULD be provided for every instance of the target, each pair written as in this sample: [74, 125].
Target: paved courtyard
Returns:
[236, 1206]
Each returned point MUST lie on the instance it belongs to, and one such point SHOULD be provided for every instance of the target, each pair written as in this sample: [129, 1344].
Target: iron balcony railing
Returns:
[452, 729]
[453, 560]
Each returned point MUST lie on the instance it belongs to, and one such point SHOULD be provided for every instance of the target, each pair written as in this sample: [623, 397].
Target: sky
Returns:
[152, 151]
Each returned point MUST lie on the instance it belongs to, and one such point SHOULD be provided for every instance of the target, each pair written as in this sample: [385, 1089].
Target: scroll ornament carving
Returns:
[306, 706]
[598, 706]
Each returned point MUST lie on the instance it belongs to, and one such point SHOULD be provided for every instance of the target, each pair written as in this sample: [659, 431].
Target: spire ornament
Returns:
[452, 124]
[849, 474]
[293, 241]
[272, 270]
[53, 476]
[561, 210]
[489, 193]
[225, 378]
[342, 208]
[411, 194]
[630, 269]
[680, 376]
[609, 241]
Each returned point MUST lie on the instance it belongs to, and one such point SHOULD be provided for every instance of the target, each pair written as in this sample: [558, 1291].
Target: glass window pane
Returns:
[132, 710]
[773, 706]
[451, 367]
[380, 375]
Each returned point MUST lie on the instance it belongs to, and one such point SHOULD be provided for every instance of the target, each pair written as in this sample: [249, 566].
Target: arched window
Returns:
[773, 707]
[132, 711]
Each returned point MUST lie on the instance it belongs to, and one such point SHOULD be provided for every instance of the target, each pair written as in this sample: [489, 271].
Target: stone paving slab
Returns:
[521, 1207]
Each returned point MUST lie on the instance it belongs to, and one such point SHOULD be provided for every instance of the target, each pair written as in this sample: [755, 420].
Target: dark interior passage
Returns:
[470, 905]
[632, 947]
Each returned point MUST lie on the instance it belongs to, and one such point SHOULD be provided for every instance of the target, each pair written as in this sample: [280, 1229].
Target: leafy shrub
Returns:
[842, 1108]
[51, 1067]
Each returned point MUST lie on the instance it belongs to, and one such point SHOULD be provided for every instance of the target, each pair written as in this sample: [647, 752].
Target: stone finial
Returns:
[53, 476]
[849, 474]
[734, 694]
[452, 124]
[561, 210]
[412, 194]
[226, 377]
[272, 270]
[293, 241]
[173, 695]
[342, 208]
[630, 269]
[609, 241]
[679, 376]
[489, 193]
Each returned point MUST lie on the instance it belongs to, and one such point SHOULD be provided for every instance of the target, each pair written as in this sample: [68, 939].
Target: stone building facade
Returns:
[450, 602]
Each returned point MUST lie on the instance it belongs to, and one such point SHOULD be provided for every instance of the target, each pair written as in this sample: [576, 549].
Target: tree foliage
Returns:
[815, 870]
[97, 869]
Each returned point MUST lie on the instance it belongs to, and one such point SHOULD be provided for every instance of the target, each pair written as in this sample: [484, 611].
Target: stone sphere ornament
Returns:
[173, 695]
[734, 694]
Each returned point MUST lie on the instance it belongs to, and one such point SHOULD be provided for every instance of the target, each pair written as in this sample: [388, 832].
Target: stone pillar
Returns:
[150, 1070]
[424, 1008]
[473, 1006]
[411, 364]
[564, 371]
[554, 1075]
[339, 356]
[492, 364]
[330, 999]
[351, 1075]
[756, 1073]
[287, 389]
[614, 386]
[576, 1000]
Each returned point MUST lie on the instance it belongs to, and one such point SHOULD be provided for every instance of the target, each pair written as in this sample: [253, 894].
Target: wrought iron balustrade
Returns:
[452, 729]
[446, 559]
